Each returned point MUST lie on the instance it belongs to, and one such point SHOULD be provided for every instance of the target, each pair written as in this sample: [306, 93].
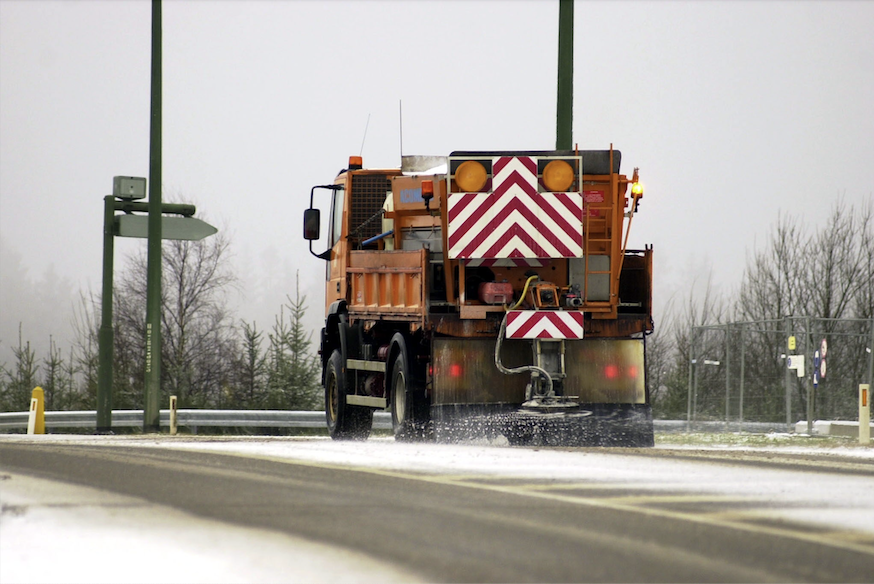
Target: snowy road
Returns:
[314, 510]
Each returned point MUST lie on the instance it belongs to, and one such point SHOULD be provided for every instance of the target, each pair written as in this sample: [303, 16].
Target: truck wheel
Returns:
[345, 422]
[409, 412]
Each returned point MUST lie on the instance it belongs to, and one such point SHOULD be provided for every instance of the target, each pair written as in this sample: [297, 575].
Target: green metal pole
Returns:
[106, 336]
[565, 100]
[152, 388]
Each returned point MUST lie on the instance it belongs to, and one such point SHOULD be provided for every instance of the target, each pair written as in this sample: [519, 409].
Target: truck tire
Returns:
[345, 422]
[409, 412]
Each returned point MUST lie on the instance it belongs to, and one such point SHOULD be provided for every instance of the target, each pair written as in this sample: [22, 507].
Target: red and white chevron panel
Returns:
[514, 220]
[506, 263]
[545, 324]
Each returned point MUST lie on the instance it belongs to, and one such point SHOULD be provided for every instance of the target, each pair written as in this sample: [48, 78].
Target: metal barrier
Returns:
[191, 419]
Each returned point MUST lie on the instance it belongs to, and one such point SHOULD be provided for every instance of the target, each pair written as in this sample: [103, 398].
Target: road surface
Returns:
[489, 514]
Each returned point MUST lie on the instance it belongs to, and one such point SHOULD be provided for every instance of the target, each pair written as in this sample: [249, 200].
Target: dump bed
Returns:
[388, 284]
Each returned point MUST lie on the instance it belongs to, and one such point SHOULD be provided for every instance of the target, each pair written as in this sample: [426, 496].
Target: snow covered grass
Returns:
[771, 439]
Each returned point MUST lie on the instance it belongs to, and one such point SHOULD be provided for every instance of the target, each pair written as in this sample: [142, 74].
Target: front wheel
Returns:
[345, 422]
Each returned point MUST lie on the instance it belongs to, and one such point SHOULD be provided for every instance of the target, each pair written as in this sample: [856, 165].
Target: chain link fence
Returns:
[795, 368]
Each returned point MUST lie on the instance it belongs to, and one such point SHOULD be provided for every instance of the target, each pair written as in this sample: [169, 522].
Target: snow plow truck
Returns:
[486, 293]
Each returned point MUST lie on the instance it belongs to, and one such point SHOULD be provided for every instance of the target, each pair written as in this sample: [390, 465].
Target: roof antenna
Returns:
[401, 115]
[361, 152]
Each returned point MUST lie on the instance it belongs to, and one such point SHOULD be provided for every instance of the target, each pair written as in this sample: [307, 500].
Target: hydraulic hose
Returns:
[524, 368]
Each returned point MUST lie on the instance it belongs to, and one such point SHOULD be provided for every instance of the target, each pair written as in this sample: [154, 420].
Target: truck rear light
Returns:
[455, 370]
[614, 372]
[471, 176]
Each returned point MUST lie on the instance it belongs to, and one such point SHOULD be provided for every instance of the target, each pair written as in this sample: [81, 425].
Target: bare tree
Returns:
[86, 325]
[703, 305]
[198, 336]
[774, 280]
[826, 277]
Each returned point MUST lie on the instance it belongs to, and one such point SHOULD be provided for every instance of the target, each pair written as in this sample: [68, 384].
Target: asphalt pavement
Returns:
[477, 528]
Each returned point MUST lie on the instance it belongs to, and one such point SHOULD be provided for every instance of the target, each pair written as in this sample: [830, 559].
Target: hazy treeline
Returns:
[210, 359]
[823, 278]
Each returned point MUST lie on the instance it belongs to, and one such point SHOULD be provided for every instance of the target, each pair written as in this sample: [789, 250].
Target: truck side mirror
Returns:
[311, 224]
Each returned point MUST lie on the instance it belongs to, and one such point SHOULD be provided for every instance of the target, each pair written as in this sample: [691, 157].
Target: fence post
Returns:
[871, 354]
[695, 391]
[727, 374]
[787, 380]
[808, 382]
[689, 385]
[740, 407]
[172, 415]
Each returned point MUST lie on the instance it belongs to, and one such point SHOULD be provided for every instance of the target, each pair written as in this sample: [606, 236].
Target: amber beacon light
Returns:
[471, 176]
[558, 176]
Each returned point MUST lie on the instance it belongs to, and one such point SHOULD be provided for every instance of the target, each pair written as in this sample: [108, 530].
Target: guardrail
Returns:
[192, 419]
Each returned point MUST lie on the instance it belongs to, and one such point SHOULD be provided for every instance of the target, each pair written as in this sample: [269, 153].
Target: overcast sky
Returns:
[734, 112]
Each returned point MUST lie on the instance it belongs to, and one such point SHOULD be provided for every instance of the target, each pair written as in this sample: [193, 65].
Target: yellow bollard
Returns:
[36, 421]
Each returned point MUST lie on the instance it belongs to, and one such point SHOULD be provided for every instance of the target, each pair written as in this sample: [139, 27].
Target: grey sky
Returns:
[734, 112]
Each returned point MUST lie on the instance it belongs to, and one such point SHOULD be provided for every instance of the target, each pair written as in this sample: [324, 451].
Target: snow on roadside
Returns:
[57, 532]
[825, 499]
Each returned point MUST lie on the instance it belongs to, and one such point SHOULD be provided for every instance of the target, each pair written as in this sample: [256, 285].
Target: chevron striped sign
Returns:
[514, 220]
[506, 263]
[544, 324]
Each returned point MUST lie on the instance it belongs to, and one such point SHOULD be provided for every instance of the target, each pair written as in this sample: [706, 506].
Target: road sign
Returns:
[796, 362]
[182, 228]
[791, 343]
[823, 348]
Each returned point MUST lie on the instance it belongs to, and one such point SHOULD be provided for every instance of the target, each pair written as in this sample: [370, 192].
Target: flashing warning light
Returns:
[611, 371]
[427, 189]
[637, 189]
[356, 163]
[471, 176]
[558, 176]
[455, 370]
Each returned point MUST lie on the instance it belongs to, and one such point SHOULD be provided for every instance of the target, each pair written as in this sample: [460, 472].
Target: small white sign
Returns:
[796, 362]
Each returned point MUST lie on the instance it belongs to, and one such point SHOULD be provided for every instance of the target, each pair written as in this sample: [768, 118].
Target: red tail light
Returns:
[455, 370]
[611, 371]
